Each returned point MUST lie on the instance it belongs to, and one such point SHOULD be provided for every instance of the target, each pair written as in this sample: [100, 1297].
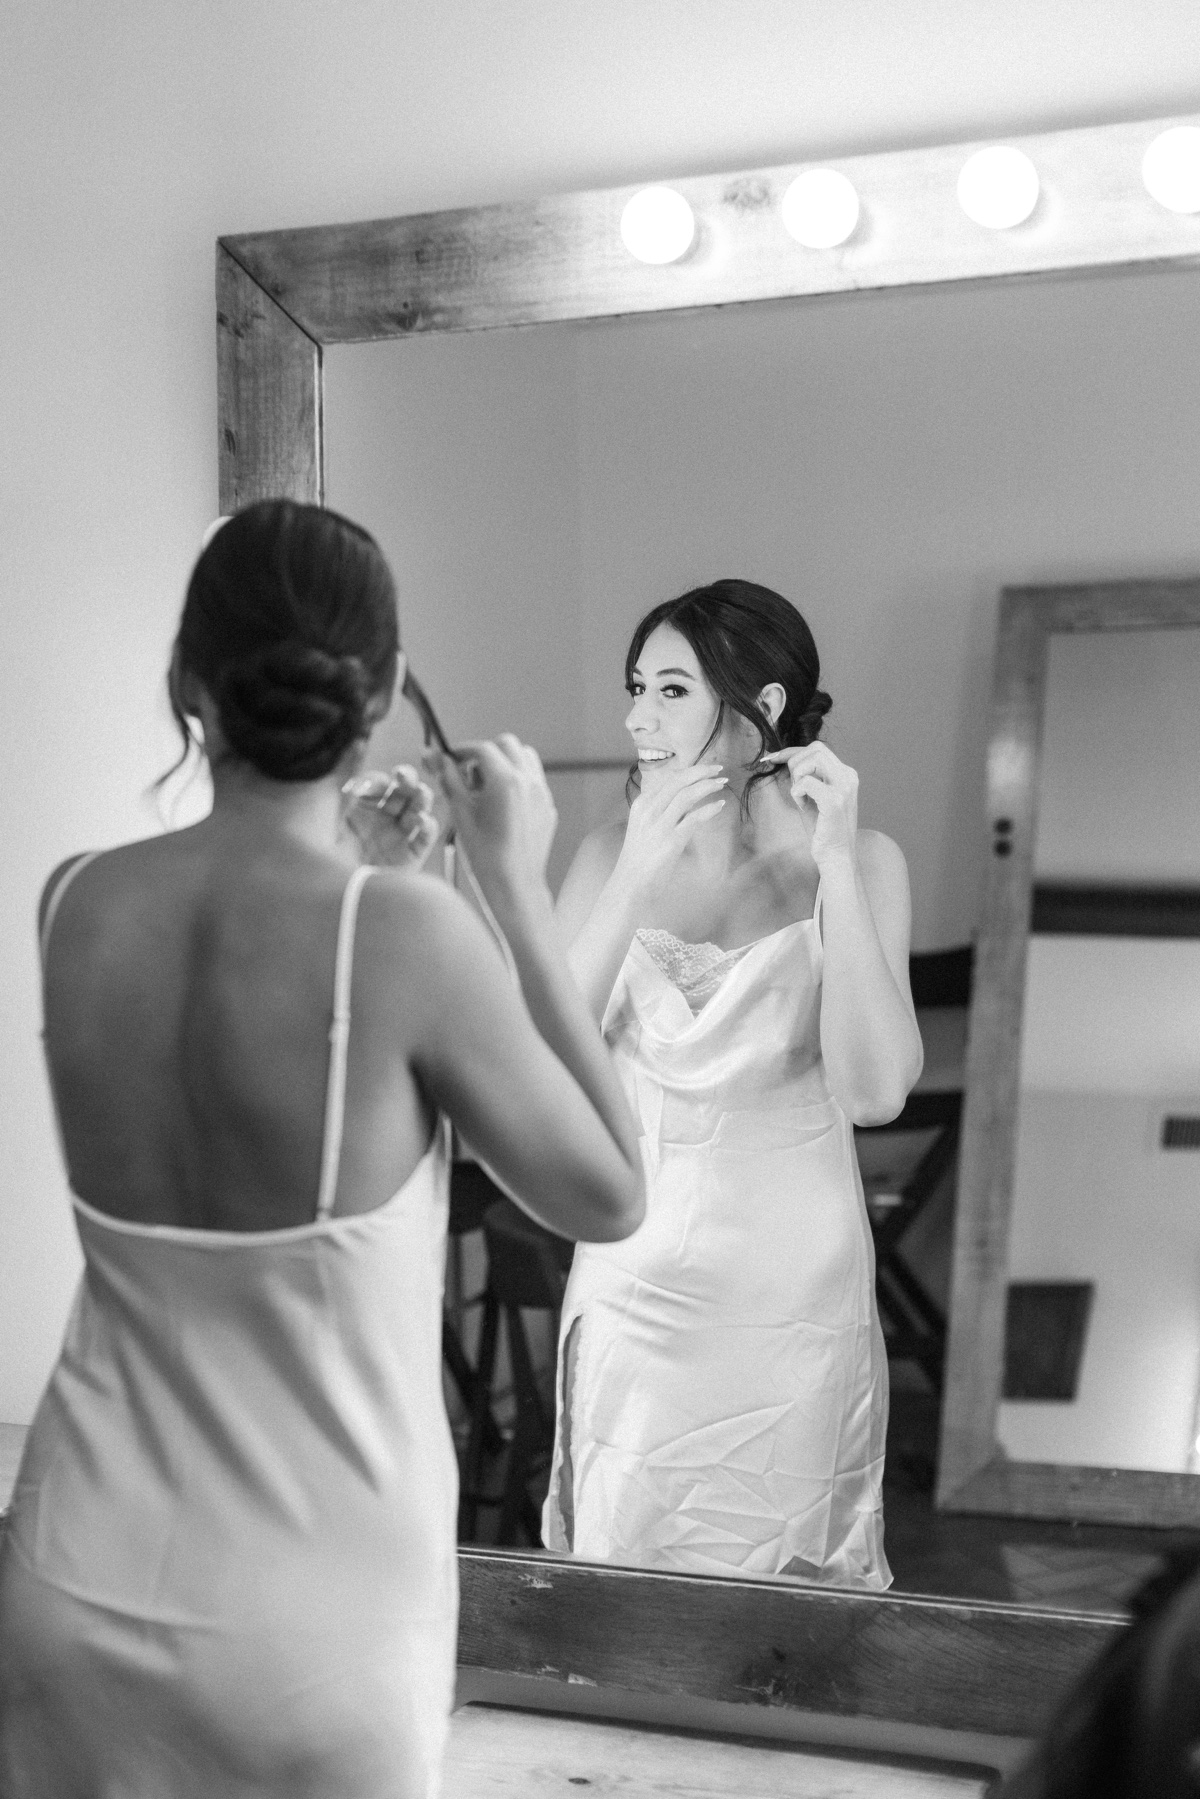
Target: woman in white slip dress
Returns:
[722, 1376]
[230, 1567]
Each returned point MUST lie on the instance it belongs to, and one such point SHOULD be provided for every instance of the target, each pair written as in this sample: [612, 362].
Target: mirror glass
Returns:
[1102, 1362]
[888, 462]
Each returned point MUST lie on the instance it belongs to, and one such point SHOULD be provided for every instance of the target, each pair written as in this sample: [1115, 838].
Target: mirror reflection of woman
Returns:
[230, 1563]
[723, 1380]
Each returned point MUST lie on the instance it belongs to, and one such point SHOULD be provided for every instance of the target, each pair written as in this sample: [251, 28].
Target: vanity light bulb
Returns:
[998, 187]
[820, 209]
[657, 225]
[1171, 169]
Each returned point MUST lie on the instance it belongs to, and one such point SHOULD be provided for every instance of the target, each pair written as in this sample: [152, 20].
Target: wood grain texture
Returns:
[562, 257]
[975, 1350]
[269, 424]
[954, 1665]
[1137, 1496]
[973, 1475]
[498, 1752]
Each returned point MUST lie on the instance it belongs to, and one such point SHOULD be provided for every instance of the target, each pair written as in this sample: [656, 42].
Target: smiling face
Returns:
[674, 709]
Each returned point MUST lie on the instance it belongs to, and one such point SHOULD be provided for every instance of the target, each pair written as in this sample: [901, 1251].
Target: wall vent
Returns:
[1180, 1130]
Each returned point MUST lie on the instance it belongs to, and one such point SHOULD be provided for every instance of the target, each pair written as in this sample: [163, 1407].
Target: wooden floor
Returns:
[1079, 1567]
[499, 1754]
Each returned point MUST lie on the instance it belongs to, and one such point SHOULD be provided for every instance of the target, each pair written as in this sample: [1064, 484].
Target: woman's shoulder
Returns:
[418, 909]
[879, 850]
[595, 859]
[882, 866]
[69, 866]
[590, 868]
[601, 847]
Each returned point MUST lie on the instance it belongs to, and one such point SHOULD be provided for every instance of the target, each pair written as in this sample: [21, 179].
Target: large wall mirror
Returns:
[890, 459]
[1076, 1388]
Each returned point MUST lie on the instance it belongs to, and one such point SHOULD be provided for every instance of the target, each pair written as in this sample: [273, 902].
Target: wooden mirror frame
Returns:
[974, 1472]
[282, 296]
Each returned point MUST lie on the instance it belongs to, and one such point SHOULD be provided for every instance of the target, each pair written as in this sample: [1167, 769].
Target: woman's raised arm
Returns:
[524, 1075]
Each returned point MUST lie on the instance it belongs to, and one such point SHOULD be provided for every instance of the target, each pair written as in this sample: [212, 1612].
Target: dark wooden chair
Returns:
[527, 1271]
[471, 1193]
[914, 1324]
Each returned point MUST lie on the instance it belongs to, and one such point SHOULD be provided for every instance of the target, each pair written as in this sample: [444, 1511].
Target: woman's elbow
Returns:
[883, 1101]
[619, 1210]
[875, 1110]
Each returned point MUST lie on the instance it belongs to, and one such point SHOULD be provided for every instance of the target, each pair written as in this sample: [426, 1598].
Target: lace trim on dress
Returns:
[697, 969]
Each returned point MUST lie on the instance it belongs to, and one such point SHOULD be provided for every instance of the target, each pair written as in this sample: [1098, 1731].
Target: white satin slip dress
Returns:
[728, 1405]
[230, 1564]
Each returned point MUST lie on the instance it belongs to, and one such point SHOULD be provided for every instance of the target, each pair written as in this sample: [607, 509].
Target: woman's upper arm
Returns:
[479, 1056]
[593, 862]
[885, 877]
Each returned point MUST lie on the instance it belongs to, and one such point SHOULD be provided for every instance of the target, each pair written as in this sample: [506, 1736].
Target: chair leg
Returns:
[465, 1379]
[455, 1358]
[481, 1418]
[527, 1433]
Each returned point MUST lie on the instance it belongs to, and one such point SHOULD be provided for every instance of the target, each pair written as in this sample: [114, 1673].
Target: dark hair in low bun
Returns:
[746, 637]
[293, 711]
[290, 624]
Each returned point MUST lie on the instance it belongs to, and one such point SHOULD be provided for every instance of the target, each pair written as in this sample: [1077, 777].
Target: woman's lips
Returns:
[651, 756]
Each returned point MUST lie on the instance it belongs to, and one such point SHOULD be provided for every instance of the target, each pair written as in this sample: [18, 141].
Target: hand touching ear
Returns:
[826, 792]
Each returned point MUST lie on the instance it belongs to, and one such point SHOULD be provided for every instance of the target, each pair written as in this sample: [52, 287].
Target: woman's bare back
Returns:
[189, 996]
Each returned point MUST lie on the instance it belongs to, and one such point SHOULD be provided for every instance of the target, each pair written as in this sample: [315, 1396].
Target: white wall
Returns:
[131, 134]
[1119, 793]
[1110, 1042]
[1096, 1200]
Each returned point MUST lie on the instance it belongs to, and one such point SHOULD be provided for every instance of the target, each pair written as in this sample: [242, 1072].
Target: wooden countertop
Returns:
[500, 1754]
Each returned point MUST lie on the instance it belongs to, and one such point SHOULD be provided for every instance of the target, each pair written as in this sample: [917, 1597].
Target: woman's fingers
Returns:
[820, 792]
[393, 793]
[684, 803]
[678, 784]
[691, 819]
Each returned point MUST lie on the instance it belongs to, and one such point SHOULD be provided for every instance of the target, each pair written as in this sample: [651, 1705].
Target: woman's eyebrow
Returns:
[685, 672]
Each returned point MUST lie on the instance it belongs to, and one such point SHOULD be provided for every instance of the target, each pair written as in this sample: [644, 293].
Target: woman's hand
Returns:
[826, 792]
[662, 820]
[503, 812]
[392, 817]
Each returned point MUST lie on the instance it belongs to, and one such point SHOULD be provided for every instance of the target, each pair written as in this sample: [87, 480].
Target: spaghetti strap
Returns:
[56, 898]
[339, 1042]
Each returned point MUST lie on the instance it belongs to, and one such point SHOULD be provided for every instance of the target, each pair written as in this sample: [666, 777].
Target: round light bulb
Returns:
[998, 187]
[820, 209]
[1171, 169]
[657, 225]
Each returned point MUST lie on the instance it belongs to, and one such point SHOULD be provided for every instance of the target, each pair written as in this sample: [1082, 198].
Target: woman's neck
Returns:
[304, 814]
[744, 830]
